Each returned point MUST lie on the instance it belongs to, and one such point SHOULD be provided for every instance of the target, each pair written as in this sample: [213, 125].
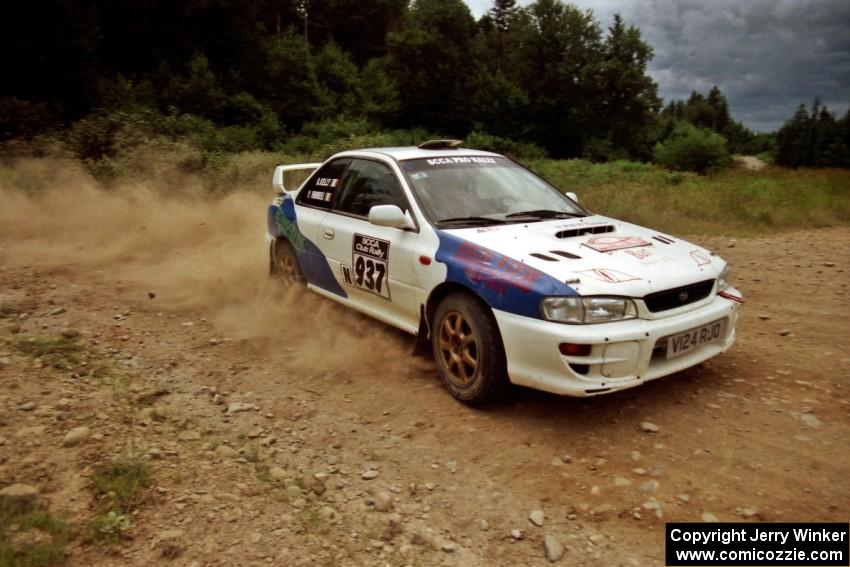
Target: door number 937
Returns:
[369, 274]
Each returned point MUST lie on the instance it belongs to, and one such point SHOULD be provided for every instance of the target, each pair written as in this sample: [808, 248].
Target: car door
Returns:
[374, 264]
[312, 203]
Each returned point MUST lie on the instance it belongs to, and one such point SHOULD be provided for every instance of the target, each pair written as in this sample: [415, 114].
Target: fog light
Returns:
[570, 349]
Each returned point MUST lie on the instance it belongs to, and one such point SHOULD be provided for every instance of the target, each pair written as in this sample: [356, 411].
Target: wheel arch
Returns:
[439, 293]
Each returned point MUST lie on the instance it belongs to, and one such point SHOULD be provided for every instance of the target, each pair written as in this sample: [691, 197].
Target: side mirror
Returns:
[572, 196]
[389, 215]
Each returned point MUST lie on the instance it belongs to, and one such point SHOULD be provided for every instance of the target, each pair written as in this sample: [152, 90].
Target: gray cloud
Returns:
[767, 56]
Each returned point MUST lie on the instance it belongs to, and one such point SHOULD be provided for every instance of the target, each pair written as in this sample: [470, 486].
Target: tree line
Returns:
[260, 73]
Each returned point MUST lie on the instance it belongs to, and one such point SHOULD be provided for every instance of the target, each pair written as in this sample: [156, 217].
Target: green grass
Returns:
[31, 538]
[732, 201]
[123, 481]
[108, 528]
[60, 351]
[119, 486]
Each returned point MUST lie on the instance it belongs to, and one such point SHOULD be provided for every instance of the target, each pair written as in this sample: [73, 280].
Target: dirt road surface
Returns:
[282, 429]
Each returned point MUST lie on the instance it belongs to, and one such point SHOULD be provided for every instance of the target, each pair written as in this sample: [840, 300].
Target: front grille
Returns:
[677, 297]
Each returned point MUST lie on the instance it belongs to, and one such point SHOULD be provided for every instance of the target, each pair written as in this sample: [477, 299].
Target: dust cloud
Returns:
[198, 253]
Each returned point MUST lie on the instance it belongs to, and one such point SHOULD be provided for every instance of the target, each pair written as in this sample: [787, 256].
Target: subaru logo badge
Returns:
[683, 296]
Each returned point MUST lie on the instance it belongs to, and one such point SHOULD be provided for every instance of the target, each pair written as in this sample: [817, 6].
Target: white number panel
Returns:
[370, 264]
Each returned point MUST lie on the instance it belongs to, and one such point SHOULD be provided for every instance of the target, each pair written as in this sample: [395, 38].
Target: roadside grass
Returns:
[31, 537]
[119, 487]
[731, 201]
[7, 310]
[122, 481]
[61, 352]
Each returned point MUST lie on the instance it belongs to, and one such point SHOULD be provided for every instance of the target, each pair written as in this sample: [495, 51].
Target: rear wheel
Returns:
[284, 265]
[468, 350]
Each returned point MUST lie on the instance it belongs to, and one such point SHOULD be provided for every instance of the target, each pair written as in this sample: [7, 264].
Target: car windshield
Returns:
[484, 190]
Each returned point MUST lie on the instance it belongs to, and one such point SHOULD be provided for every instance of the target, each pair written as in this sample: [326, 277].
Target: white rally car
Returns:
[509, 279]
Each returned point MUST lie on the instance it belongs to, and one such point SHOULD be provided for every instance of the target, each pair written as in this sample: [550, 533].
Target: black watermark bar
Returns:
[740, 544]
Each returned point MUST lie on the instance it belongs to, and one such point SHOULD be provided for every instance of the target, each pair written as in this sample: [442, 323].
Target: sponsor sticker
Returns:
[700, 258]
[370, 263]
[455, 160]
[611, 243]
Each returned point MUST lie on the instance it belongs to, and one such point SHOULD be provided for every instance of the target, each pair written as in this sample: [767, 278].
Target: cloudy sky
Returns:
[767, 56]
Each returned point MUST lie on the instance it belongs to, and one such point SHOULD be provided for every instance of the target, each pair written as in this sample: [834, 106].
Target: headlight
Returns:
[583, 310]
[723, 279]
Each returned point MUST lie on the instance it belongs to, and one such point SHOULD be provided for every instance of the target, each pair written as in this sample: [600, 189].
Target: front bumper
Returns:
[624, 354]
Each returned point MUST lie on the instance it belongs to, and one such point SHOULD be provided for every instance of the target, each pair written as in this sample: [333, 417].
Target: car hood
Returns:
[597, 255]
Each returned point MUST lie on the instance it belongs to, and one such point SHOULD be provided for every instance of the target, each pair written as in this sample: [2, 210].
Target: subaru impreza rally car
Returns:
[508, 278]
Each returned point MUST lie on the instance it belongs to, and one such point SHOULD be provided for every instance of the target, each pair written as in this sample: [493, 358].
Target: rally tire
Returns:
[284, 264]
[468, 350]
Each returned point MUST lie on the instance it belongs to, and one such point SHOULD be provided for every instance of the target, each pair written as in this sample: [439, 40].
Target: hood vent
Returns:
[543, 257]
[664, 239]
[567, 255]
[560, 253]
[579, 231]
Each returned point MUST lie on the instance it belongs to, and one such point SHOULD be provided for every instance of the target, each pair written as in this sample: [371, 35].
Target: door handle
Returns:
[328, 233]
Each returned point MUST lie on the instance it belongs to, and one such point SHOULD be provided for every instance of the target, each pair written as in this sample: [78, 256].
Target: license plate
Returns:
[682, 343]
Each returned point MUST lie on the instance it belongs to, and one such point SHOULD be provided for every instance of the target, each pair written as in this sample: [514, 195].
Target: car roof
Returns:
[412, 152]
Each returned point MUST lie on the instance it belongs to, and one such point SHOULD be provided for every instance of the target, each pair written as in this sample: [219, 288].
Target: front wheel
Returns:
[468, 350]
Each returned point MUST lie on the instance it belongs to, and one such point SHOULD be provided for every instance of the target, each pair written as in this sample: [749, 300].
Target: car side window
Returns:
[320, 189]
[367, 184]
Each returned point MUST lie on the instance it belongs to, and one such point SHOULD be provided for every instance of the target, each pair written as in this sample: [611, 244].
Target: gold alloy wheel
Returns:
[458, 349]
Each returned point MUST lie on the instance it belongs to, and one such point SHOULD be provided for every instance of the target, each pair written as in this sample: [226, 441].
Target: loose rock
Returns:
[554, 549]
[810, 419]
[189, 436]
[648, 427]
[383, 502]
[226, 452]
[536, 517]
[19, 495]
[76, 436]
[277, 473]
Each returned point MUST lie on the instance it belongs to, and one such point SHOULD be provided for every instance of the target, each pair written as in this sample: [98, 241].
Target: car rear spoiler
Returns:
[277, 178]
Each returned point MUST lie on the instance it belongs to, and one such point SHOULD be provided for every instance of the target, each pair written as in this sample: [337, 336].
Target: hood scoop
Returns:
[582, 230]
